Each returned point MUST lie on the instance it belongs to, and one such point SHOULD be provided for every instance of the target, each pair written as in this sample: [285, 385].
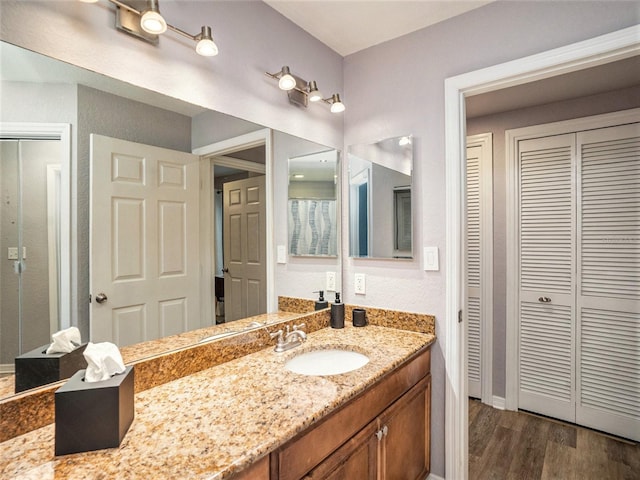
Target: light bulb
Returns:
[404, 141]
[206, 46]
[336, 105]
[152, 22]
[314, 94]
[286, 82]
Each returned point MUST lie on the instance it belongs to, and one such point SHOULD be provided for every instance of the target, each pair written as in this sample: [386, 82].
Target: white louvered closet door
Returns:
[474, 385]
[547, 259]
[608, 300]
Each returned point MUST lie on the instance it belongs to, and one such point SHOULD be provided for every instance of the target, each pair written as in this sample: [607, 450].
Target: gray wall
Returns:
[397, 88]
[497, 124]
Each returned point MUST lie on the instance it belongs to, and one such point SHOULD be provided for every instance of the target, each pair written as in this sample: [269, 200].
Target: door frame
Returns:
[208, 154]
[588, 53]
[60, 132]
[512, 137]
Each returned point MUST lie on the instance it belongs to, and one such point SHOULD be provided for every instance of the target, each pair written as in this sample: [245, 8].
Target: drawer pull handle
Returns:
[544, 300]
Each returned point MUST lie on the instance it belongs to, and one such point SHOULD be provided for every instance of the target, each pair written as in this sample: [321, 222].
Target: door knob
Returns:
[101, 298]
[544, 300]
[225, 270]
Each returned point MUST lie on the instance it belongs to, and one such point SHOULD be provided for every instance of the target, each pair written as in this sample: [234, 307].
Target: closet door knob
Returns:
[544, 300]
[101, 298]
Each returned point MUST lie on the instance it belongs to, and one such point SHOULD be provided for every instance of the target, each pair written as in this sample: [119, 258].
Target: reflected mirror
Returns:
[38, 89]
[312, 204]
[380, 205]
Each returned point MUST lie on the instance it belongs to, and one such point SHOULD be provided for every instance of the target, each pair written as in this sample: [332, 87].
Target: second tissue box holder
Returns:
[37, 367]
[93, 415]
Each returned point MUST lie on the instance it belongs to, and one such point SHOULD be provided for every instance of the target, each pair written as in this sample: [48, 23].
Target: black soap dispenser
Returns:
[321, 303]
[337, 313]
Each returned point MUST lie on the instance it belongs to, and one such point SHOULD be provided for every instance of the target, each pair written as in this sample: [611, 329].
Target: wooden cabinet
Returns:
[383, 434]
[395, 445]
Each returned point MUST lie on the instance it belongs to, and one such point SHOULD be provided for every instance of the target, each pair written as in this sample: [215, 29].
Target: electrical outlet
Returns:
[359, 283]
[12, 253]
[331, 282]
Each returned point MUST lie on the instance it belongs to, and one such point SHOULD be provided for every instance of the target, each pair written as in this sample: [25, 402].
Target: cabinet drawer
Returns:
[308, 449]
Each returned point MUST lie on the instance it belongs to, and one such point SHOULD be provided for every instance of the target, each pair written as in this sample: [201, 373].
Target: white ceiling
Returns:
[348, 26]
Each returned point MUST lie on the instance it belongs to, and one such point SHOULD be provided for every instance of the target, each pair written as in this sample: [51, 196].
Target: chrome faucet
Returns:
[289, 339]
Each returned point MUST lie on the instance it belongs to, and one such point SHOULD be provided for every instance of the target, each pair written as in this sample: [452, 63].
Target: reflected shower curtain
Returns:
[312, 227]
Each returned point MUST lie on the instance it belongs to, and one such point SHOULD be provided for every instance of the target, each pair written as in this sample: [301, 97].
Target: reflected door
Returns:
[245, 248]
[144, 241]
[30, 245]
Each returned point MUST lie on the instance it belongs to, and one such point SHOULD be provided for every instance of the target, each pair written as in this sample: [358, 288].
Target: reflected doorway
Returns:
[34, 188]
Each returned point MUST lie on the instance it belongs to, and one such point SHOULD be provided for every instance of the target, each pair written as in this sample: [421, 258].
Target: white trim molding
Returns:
[607, 48]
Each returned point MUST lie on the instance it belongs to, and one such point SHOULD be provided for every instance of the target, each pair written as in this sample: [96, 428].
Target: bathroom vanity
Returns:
[251, 418]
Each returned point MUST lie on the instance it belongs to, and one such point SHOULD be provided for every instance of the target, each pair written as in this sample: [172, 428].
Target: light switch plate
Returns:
[282, 254]
[359, 285]
[331, 282]
[12, 253]
[431, 259]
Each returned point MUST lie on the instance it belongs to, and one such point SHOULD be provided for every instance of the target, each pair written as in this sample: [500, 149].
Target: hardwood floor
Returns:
[522, 446]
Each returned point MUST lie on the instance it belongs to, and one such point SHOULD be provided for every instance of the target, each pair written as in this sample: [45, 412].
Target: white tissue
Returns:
[65, 341]
[103, 361]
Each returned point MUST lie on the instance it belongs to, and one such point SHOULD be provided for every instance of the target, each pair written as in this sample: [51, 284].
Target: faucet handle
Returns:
[278, 334]
[299, 327]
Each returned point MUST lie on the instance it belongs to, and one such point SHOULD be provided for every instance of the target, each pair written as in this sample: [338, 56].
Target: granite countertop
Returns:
[216, 422]
[134, 353]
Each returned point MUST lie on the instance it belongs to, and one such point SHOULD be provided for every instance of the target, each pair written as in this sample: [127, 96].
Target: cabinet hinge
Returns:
[459, 316]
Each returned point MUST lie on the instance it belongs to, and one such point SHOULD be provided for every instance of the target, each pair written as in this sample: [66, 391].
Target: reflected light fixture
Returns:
[301, 92]
[142, 19]
[404, 141]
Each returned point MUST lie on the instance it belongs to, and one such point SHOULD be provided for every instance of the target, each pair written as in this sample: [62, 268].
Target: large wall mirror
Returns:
[312, 205]
[380, 199]
[40, 90]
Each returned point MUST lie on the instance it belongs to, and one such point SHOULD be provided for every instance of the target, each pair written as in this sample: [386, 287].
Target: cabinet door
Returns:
[405, 445]
[356, 459]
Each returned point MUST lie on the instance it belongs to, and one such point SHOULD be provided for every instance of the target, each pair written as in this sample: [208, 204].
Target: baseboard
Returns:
[499, 403]
[433, 476]
[7, 369]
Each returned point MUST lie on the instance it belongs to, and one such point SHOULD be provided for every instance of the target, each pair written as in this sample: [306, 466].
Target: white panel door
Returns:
[245, 248]
[546, 239]
[608, 300]
[144, 241]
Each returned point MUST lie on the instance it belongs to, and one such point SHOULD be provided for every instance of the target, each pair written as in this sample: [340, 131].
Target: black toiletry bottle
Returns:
[337, 313]
[321, 303]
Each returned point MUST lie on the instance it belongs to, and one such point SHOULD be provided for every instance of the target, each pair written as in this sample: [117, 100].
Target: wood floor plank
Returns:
[563, 434]
[482, 429]
[528, 454]
[559, 462]
[522, 446]
[495, 462]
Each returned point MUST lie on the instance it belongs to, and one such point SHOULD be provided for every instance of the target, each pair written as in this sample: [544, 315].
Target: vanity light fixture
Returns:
[151, 21]
[336, 104]
[142, 19]
[314, 94]
[301, 92]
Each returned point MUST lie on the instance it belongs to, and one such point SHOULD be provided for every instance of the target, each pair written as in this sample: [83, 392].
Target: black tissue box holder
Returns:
[36, 368]
[93, 415]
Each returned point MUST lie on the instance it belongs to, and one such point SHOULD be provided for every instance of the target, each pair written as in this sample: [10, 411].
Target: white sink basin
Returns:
[326, 362]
